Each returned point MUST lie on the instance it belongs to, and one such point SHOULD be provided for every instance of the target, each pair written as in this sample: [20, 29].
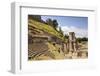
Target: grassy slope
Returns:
[45, 28]
[53, 49]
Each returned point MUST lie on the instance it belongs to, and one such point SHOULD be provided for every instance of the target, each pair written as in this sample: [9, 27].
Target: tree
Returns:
[55, 24]
[35, 17]
[66, 36]
[49, 22]
[60, 31]
[52, 23]
[82, 39]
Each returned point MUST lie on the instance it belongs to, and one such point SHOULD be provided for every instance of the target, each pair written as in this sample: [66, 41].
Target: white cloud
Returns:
[79, 32]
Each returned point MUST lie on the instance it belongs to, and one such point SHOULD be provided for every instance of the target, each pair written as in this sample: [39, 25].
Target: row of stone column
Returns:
[71, 45]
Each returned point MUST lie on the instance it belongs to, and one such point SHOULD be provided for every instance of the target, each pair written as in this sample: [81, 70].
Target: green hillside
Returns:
[47, 28]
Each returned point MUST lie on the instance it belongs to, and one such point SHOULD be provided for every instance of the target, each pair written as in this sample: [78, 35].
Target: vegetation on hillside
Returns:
[84, 39]
[46, 28]
[49, 26]
[54, 47]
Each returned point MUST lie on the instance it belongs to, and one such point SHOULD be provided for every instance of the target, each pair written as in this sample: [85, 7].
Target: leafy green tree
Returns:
[66, 36]
[52, 23]
[60, 31]
[55, 24]
[82, 39]
[49, 22]
[35, 17]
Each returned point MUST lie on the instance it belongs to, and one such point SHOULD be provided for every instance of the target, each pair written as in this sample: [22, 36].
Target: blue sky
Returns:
[79, 25]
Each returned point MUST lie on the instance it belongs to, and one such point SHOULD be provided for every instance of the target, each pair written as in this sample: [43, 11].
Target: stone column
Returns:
[72, 41]
[65, 47]
[74, 46]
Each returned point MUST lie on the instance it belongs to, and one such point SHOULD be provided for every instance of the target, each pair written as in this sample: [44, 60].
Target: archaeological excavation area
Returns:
[47, 43]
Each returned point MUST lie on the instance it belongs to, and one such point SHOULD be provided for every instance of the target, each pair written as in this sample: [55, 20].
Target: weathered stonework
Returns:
[72, 42]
